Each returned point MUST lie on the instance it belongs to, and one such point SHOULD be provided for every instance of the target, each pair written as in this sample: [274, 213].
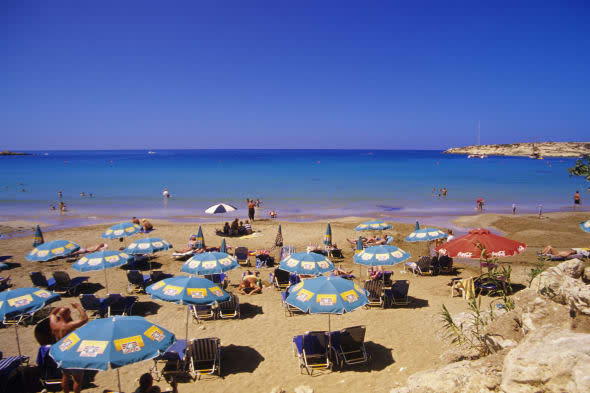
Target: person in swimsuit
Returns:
[62, 324]
[577, 200]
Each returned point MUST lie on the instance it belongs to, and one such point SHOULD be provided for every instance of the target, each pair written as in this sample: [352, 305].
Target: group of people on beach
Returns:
[253, 206]
[237, 228]
[442, 192]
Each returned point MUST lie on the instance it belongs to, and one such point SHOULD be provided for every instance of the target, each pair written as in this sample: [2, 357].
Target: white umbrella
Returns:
[220, 208]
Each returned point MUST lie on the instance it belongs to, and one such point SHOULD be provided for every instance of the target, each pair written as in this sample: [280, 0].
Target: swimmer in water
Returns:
[166, 194]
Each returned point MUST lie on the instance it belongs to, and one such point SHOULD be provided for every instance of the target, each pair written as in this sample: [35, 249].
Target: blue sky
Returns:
[291, 74]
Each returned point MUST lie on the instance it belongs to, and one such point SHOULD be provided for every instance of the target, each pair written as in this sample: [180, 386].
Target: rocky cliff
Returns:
[545, 149]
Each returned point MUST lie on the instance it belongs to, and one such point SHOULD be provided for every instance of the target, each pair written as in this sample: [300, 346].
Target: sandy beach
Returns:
[257, 352]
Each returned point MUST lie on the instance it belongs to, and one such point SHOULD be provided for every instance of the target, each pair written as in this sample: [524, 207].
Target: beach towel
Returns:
[252, 235]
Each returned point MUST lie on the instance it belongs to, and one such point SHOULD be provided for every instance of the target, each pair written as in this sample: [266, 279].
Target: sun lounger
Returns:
[172, 362]
[311, 350]
[203, 312]
[119, 304]
[205, 357]
[349, 346]
[50, 374]
[398, 294]
[280, 279]
[230, 308]
[289, 309]
[375, 289]
[158, 275]
[97, 307]
[334, 252]
[446, 264]
[39, 280]
[422, 266]
[183, 256]
[137, 281]
[387, 283]
[66, 285]
[9, 366]
[218, 278]
[242, 255]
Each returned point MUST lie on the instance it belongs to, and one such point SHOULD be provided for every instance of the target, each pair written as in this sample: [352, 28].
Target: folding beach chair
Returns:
[281, 279]
[9, 367]
[230, 308]
[218, 278]
[205, 357]
[137, 281]
[119, 304]
[242, 255]
[446, 264]
[311, 350]
[387, 283]
[289, 309]
[50, 374]
[349, 346]
[172, 362]
[97, 307]
[39, 280]
[17, 318]
[203, 312]
[66, 285]
[422, 266]
[398, 294]
[375, 289]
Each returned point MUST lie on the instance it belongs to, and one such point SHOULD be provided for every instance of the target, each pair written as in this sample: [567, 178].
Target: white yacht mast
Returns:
[478, 134]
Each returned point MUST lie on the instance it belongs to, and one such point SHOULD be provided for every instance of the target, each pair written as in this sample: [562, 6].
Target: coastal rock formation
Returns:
[544, 149]
[549, 360]
[563, 285]
[13, 153]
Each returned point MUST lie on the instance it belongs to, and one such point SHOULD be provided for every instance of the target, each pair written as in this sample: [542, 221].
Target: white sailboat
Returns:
[478, 144]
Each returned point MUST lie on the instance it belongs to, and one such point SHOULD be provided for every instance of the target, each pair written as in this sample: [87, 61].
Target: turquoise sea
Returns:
[299, 184]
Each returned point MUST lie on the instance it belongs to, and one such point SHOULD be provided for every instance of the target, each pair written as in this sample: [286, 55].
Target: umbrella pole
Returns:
[329, 337]
[119, 380]
[17, 338]
[186, 331]
[106, 281]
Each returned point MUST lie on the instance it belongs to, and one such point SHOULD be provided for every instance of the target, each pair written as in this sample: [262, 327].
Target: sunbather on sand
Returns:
[98, 247]
[375, 272]
[353, 242]
[190, 246]
[249, 285]
[147, 226]
[339, 272]
[551, 251]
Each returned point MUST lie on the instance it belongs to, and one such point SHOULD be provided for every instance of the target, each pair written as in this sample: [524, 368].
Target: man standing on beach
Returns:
[251, 211]
[62, 324]
[577, 200]
[514, 208]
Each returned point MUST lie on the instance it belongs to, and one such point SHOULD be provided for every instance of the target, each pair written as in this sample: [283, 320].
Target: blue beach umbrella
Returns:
[102, 260]
[121, 230]
[111, 342]
[585, 226]
[51, 250]
[381, 256]
[209, 263]
[19, 301]
[328, 236]
[187, 290]
[372, 225]
[147, 246]
[223, 247]
[38, 238]
[200, 241]
[359, 245]
[307, 263]
[425, 234]
[327, 295]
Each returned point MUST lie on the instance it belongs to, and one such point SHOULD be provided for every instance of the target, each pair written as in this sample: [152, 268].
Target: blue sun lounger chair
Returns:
[349, 346]
[311, 350]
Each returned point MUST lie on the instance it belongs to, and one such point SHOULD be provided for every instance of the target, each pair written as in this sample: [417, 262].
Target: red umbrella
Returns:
[469, 246]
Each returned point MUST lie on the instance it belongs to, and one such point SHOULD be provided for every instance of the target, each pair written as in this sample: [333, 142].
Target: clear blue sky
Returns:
[291, 74]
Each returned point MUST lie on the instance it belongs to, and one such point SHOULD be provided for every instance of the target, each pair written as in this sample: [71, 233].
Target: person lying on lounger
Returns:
[98, 247]
[339, 272]
[551, 251]
[250, 285]
[375, 273]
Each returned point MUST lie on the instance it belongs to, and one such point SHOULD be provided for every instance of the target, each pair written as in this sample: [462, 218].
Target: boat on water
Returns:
[478, 144]
[535, 154]
[151, 152]
[477, 156]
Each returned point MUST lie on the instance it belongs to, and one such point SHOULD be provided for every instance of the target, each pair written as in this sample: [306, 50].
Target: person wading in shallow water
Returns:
[62, 324]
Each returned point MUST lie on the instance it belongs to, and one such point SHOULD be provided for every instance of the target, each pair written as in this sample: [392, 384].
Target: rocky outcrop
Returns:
[545, 149]
[563, 285]
[548, 360]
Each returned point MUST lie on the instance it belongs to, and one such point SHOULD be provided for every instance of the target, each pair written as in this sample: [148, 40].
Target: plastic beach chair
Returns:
[119, 304]
[311, 350]
[173, 361]
[242, 255]
[39, 280]
[349, 346]
[281, 279]
[205, 357]
[50, 374]
[9, 366]
[203, 312]
[97, 306]
[230, 308]
[137, 281]
[398, 294]
[376, 293]
[289, 309]
[218, 278]
[66, 285]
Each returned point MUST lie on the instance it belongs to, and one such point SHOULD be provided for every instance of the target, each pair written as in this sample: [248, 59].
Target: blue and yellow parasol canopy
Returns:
[147, 246]
[585, 226]
[327, 295]
[187, 290]
[307, 263]
[22, 300]
[425, 234]
[102, 260]
[123, 229]
[111, 342]
[372, 225]
[51, 250]
[381, 256]
[209, 263]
